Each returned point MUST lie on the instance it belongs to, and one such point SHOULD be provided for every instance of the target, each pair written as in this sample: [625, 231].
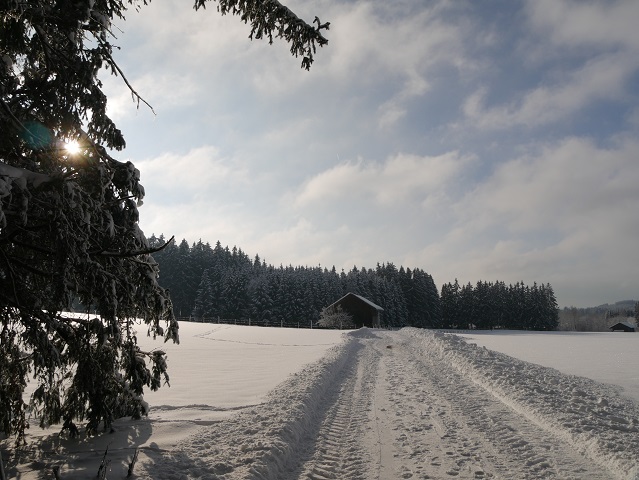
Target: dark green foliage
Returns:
[452, 315]
[69, 231]
[69, 227]
[493, 305]
[231, 286]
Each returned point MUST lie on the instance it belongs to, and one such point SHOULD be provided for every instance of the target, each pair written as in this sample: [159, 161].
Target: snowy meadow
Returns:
[610, 357]
[271, 403]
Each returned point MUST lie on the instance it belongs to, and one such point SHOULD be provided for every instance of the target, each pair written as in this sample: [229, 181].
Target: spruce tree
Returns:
[203, 309]
[260, 300]
[434, 303]
[69, 218]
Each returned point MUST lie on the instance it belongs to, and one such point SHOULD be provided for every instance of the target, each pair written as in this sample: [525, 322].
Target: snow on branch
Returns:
[23, 176]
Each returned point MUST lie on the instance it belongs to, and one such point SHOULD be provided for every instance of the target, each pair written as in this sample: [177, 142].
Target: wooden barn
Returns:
[623, 327]
[364, 312]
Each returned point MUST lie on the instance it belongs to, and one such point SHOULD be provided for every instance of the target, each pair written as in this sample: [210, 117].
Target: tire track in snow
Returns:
[309, 428]
[366, 411]
[421, 437]
[339, 452]
[592, 418]
[445, 426]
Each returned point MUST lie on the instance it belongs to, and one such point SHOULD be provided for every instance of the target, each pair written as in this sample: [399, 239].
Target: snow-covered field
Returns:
[611, 357]
[268, 403]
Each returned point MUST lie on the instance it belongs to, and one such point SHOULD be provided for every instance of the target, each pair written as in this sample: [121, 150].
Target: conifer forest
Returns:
[220, 284]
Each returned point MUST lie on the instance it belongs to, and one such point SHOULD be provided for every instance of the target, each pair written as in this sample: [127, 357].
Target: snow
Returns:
[270, 403]
[611, 357]
[228, 367]
[21, 176]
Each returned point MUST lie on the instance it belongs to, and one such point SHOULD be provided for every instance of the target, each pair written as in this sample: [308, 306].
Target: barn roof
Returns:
[365, 300]
[627, 325]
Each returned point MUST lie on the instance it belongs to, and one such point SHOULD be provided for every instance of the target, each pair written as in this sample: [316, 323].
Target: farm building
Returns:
[364, 312]
[623, 327]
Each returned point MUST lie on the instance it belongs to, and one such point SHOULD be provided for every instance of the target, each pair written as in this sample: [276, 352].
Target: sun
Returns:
[72, 147]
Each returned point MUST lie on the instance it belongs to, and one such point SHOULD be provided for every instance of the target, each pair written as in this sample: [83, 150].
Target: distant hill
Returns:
[620, 305]
[598, 318]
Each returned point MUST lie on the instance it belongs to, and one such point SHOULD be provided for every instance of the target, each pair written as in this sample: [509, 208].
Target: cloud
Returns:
[564, 214]
[181, 38]
[200, 219]
[390, 113]
[601, 78]
[566, 57]
[319, 245]
[195, 175]
[535, 183]
[399, 179]
[400, 45]
[599, 24]
[162, 91]
[564, 186]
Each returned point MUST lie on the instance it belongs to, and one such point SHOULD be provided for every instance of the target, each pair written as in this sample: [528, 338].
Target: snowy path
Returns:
[414, 404]
[285, 404]
[439, 424]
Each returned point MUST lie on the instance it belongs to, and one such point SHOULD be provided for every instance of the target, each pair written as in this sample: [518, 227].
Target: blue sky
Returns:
[493, 140]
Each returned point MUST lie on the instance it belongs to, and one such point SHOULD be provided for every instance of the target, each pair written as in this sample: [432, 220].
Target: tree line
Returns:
[490, 305]
[207, 283]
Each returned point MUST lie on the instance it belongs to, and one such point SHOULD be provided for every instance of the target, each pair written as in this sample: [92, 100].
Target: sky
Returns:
[494, 140]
